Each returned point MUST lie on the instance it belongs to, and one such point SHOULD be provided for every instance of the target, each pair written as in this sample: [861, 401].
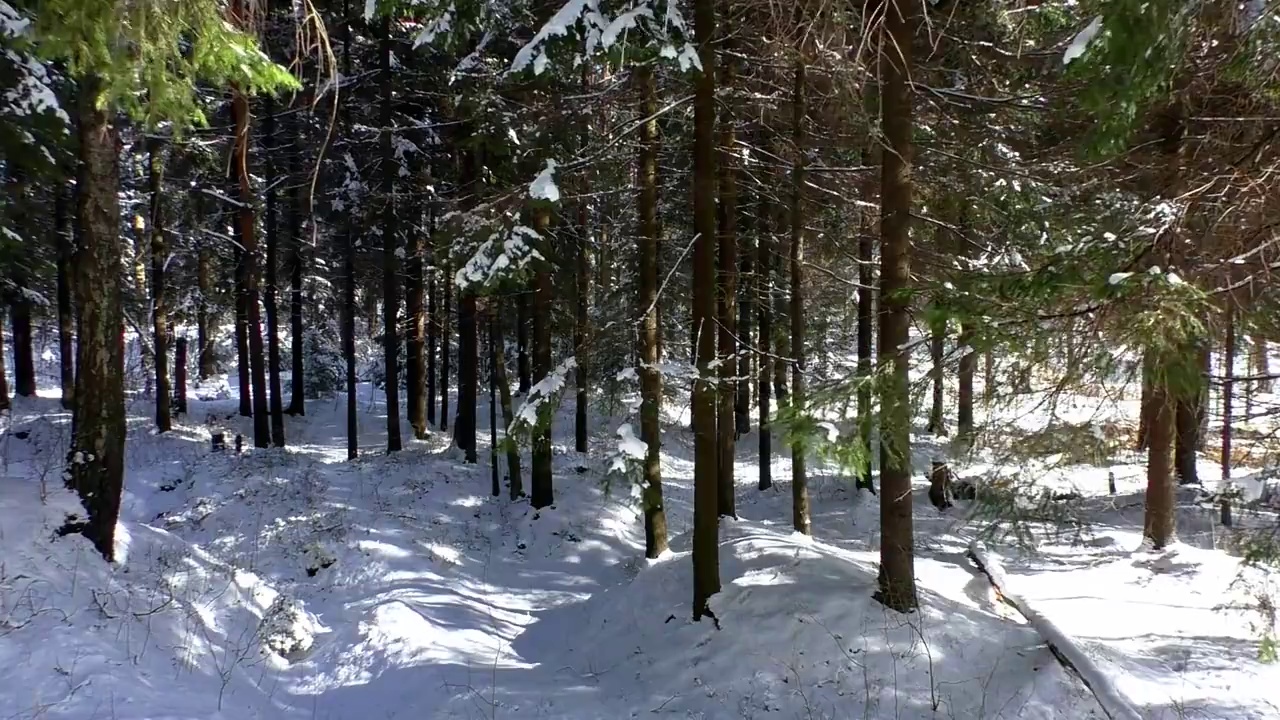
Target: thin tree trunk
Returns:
[726, 293]
[1262, 364]
[706, 543]
[1158, 522]
[95, 462]
[180, 376]
[297, 380]
[242, 323]
[937, 351]
[249, 238]
[349, 266]
[4, 381]
[66, 311]
[464, 424]
[207, 360]
[655, 514]
[272, 289]
[159, 299]
[496, 488]
[581, 326]
[1145, 405]
[415, 350]
[799, 483]
[1228, 390]
[866, 294]
[746, 311]
[1189, 411]
[433, 317]
[447, 281]
[24, 366]
[964, 394]
[543, 493]
[522, 343]
[514, 480]
[897, 548]
[764, 374]
[390, 263]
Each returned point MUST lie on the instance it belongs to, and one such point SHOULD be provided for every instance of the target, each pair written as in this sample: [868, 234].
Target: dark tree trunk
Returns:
[706, 542]
[464, 424]
[726, 292]
[249, 238]
[897, 550]
[1228, 391]
[764, 383]
[964, 393]
[390, 263]
[446, 279]
[522, 343]
[799, 483]
[95, 462]
[937, 351]
[746, 312]
[66, 311]
[655, 514]
[294, 215]
[866, 296]
[433, 317]
[349, 266]
[272, 287]
[4, 380]
[581, 327]
[542, 487]
[514, 480]
[242, 320]
[415, 336]
[1144, 406]
[24, 365]
[1158, 522]
[496, 488]
[204, 318]
[180, 376]
[159, 295]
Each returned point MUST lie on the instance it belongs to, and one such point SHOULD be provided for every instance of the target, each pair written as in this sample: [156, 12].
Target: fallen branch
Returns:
[1068, 653]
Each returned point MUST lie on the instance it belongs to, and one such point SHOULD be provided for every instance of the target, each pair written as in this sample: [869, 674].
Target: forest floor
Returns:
[289, 583]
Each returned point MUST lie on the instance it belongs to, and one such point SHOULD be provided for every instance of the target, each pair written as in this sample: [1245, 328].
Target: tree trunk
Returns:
[706, 542]
[242, 322]
[24, 365]
[276, 397]
[1158, 522]
[433, 317]
[542, 488]
[249, 239]
[159, 299]
[581, 325]
[866, 292]
[937, 351]
[1145, 405]
[655, 514]
[464, 422]
[1262, 364]
[964, 394]
[390, 263]
[349, 266]
[726, 292]
[66, 311]
[746, 311]
[95, 462]
[297, 380]
[1189, 410]
[514, 481]
[522, 343]
[204, 318]
[4, 380]
[180, 376]
[799, 483]
[897, 552]
[1228, 390]
[496, 482]
[415, 350]
[764, 370]
[446, 279]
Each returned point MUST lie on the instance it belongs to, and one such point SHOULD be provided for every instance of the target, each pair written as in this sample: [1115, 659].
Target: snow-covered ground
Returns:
[293, 584]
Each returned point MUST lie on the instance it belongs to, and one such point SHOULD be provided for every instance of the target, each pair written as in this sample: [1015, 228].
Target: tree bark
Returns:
[866, 296]
[515, 482]
[799, 483]
[655, 514]
[24, 365]
[746, 311]
[1228, 391]
[523, 368]
[543, 493]
[276, 397]
[180, 376]
[496, 483]
[66, 311]
[295, 212]
[159, 299]
[95, 462]
[207, 360]
[581, 326]
[433, 317]
[964, 394]
[764, 369]
[897, 552]
[1189, 411]
[726, 293]
[464, 424]
[390, 263]
[415, 350]
[249, 239]
[242, 321]
[706, 543]
[349, 265]
[446, 279]
[1158, 521]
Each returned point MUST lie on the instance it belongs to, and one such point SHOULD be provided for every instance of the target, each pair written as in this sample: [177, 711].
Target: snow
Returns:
[1080, 43]
[534, 52]
[544, 187]
[289, 584]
